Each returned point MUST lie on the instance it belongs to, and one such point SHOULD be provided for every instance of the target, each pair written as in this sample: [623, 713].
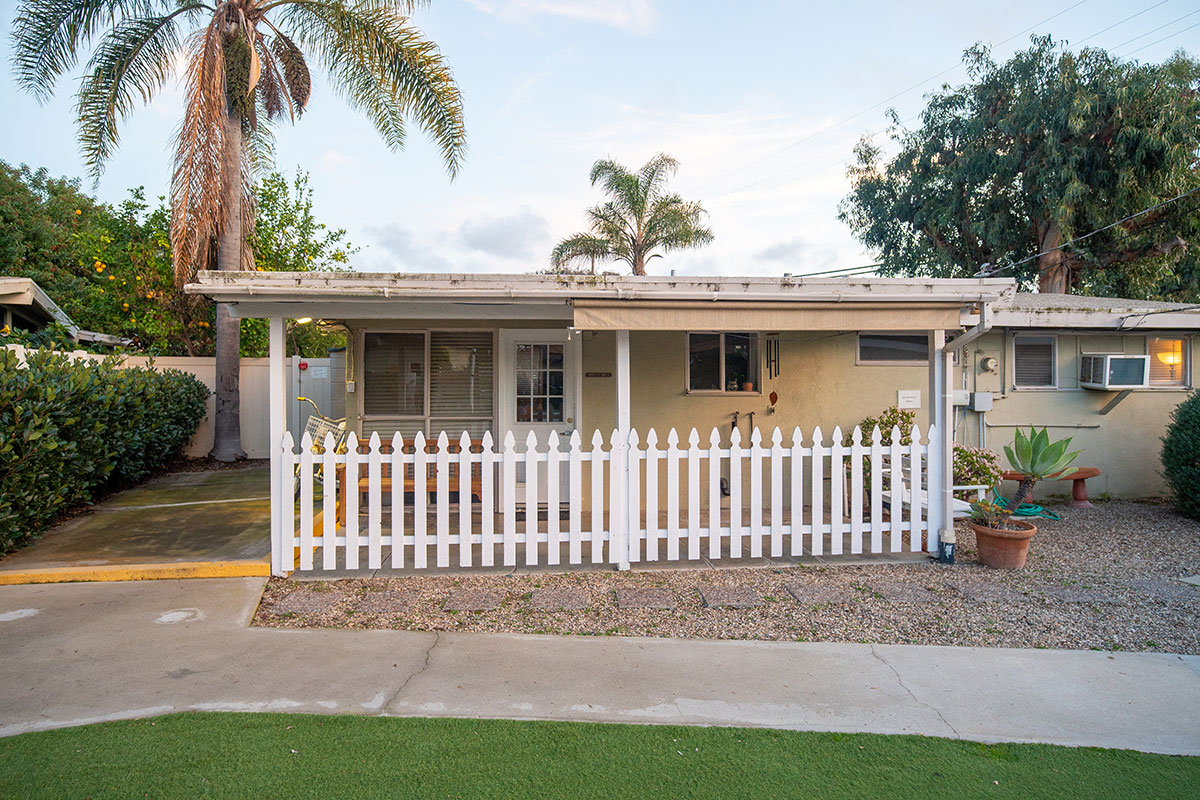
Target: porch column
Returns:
[936, 417]
[623, 382]
[946, 530]
[277, 367]
[618, 517]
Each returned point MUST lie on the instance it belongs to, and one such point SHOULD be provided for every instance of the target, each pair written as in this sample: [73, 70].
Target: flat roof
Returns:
[345, 293]
[1035, 310]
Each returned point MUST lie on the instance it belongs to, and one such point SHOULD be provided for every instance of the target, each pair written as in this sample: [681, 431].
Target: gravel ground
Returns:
[1103, 578]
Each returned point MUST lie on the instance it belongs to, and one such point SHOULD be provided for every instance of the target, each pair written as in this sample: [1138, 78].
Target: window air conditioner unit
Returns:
[1113, 372]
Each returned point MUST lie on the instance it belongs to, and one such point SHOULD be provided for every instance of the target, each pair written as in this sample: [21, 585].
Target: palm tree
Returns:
[639, 218]
[246, 67]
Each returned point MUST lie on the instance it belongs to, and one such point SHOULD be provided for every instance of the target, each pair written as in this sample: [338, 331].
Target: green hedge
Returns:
[1181, 456]
[68, 429]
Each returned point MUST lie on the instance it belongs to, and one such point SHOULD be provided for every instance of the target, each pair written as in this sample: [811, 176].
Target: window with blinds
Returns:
[1168, 365]
[1034, 359]
[461, 369]
[456, 373]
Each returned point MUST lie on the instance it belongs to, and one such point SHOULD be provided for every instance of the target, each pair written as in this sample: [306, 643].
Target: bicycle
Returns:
[317, 427]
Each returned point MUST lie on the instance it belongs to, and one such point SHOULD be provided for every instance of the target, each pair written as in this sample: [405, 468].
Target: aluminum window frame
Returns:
[687, 365]
[1055, 384]
[861, 362]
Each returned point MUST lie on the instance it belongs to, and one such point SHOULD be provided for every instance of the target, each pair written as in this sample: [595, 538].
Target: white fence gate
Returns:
[645, 501]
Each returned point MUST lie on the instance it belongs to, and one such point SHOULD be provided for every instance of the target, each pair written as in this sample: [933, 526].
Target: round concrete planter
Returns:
[1003, 549]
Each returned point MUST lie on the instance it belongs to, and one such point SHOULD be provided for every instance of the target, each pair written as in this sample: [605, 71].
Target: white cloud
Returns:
[400, 251]
[517, 236]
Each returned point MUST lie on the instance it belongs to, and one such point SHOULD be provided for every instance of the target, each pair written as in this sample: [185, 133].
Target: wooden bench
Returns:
[385, 483]
[1079, 495]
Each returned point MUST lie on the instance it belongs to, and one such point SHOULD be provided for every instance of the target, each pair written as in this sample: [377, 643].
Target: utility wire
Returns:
[1122, 22]
[989, 273]
[1156, 30]
[842, 272]
[1163, 39]
[855, 116]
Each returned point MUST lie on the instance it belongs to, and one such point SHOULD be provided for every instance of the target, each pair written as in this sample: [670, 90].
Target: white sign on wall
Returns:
[908, 398]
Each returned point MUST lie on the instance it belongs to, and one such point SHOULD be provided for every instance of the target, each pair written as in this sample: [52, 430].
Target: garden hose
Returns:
[1025, 509]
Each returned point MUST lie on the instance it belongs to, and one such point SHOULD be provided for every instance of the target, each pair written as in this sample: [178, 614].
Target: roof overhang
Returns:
[1106, 319]
[26, 293]
[608, 301]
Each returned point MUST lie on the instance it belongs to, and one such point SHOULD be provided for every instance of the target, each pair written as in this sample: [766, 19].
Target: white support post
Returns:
[946, 529]
[937, 346]
[623, 425]
[280, 472]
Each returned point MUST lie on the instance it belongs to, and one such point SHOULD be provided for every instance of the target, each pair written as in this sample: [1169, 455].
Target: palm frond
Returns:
[271, 93]
[580, 248]
[196, 205]
[132, 62]
[48, 35]
[385, 68]
[296, 78]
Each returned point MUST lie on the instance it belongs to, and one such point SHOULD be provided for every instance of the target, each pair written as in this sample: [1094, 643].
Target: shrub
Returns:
[975, 466]
[68, 429]
[1181, 456]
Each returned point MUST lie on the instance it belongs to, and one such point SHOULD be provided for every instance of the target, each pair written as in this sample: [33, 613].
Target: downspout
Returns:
[946, 538]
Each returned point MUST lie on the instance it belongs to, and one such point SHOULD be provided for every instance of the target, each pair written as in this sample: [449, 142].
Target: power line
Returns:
[855, 116]
[1144, 211]
[1156, 30]
[842, 272]
[1163, 39]
[1122, 22]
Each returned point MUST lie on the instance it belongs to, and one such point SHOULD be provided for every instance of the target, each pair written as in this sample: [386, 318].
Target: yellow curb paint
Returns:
[140, 572]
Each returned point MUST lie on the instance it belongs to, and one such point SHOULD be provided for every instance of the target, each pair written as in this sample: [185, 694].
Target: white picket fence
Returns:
[779, 500]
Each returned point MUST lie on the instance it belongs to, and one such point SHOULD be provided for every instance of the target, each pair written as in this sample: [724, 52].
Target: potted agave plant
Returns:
[1002, 541]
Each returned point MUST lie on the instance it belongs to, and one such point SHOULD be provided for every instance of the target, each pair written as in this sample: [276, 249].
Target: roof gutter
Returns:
[984, 325]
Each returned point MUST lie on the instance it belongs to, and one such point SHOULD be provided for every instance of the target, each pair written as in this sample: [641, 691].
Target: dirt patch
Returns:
[1102, 578]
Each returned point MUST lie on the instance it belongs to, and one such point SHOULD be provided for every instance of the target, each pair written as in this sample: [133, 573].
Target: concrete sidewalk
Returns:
[80, 653]
[181, 524]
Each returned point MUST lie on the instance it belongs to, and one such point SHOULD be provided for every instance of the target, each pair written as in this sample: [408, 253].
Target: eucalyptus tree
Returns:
[245, 67]
[639, 218]
[1031, 154]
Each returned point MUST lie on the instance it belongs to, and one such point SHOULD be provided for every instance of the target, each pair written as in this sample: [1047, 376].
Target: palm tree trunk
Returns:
[227, 424]
[639, 263]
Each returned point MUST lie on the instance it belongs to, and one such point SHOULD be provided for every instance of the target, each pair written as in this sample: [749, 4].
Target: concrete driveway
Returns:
[181, 524]
[86, 652]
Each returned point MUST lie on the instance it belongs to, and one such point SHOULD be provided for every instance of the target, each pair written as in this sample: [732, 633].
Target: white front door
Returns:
[539, 393]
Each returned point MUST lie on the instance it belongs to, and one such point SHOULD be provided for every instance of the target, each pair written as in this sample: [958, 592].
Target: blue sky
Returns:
[760, 101]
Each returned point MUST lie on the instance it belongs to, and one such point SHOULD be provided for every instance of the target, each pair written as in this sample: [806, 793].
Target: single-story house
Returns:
[558, 374]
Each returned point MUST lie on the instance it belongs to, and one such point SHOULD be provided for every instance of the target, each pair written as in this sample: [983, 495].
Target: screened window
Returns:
[725, 362]
[394, 374]
[1034, 359]
[453, 369]
[1168, 365]
[891, 348]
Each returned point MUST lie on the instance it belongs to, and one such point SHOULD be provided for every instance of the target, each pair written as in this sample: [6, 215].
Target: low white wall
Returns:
[254, 386]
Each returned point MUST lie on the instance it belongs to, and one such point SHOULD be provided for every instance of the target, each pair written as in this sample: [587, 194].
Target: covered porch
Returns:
[493, 395]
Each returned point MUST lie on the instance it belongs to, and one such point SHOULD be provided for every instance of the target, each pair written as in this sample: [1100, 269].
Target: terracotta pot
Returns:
[747, 387]
[1003, 549]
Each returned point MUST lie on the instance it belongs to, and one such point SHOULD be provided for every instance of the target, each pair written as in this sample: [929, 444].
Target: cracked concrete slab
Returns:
[114, 659]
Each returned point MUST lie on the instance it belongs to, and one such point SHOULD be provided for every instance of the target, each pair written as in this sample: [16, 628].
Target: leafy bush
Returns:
[1181, 456]
[68, 429]
[975, 466]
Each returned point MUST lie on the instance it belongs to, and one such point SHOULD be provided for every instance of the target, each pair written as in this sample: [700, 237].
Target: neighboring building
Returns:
[23, 304]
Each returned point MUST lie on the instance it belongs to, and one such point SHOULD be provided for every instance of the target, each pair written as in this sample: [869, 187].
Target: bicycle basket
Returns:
[318, 427]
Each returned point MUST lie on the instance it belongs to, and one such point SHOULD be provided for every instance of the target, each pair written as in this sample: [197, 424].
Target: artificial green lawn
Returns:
[291, 755]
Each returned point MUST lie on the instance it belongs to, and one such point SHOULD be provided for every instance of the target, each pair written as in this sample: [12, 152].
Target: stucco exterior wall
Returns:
[820, 383]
